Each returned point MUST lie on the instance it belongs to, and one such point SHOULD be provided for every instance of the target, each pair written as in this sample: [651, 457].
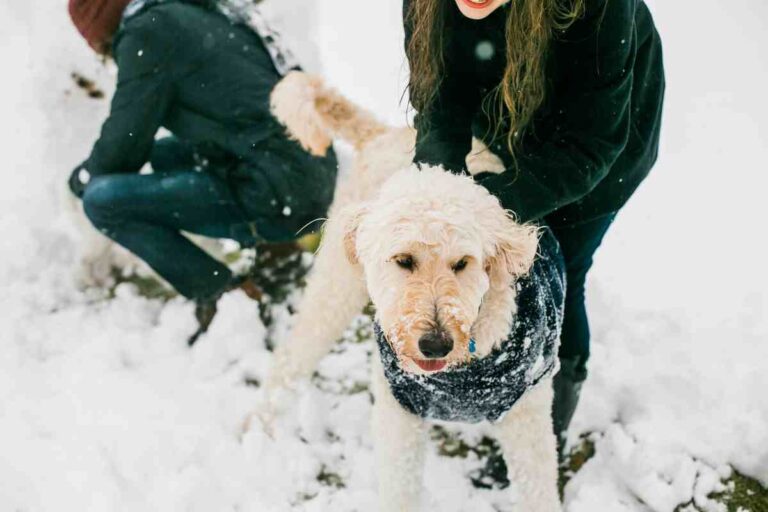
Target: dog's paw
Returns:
[259, 419]
[275, 405]
[542, 504]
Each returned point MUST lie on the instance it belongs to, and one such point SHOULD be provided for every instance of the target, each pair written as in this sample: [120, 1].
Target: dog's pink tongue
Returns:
[430, 365]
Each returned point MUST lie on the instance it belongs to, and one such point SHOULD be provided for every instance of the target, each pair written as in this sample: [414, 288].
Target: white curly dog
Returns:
[429, 249]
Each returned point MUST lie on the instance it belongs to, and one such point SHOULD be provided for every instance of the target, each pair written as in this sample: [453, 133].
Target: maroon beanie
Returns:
[97, 20]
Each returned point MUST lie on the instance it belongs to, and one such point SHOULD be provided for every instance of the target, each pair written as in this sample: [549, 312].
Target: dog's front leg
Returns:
[398, 438]
[530, 450]
[335, 293]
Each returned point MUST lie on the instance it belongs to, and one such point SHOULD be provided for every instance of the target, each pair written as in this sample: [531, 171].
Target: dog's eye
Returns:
[459, 265]
[405, 261]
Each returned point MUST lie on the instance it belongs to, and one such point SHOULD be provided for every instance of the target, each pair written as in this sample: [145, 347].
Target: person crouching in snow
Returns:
[204, 70]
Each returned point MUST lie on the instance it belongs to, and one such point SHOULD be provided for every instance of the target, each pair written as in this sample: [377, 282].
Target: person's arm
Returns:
[590, 114]
[143, 54]
[444, 131]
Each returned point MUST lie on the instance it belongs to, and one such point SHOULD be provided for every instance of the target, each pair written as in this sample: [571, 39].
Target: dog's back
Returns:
[314, 114]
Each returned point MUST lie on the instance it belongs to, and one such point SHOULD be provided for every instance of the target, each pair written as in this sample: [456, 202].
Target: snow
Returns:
[103, 407]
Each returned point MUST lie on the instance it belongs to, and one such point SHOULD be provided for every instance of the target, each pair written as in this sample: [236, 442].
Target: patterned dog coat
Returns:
[486, 388]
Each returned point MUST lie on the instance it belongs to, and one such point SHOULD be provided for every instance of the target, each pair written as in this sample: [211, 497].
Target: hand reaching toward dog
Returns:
[481, 160]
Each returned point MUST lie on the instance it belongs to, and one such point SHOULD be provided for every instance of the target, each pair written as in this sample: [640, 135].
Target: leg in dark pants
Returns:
[171, 154]
[218, 196]
[145, 214]
[578, 243]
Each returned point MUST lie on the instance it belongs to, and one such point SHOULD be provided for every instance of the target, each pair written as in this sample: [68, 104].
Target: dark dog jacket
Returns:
[486, 388]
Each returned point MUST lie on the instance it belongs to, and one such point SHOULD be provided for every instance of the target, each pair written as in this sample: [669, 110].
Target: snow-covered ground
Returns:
[103, 408]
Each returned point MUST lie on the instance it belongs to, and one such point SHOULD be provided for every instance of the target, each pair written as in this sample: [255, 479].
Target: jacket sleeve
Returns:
[444, 131]
[144, 89]
[589, 116]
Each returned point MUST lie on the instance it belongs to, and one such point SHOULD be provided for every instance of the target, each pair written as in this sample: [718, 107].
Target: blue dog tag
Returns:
[472, 347]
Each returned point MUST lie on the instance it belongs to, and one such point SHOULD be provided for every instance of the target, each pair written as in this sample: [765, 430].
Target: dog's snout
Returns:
[435, 344]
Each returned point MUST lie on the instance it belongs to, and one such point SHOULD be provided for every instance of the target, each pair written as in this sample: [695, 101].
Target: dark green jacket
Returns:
[188, 69]
[593, 140]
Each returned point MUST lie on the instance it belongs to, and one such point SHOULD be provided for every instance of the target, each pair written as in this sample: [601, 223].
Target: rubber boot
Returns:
[206, 309]
[567, 386]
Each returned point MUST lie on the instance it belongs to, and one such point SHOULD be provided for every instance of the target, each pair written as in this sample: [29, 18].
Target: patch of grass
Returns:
[326, 478]
[493, 472]
[742, 494]
[575, 460]
[361, 331]
[745, 494]
[748, 494]
[146, 286]
[251, 381]
[449, 444]
[338, 387]
[330, 479]
[303, 497]
[87, 85]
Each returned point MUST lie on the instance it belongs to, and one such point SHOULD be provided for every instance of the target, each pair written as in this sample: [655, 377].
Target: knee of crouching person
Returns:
[99, 201]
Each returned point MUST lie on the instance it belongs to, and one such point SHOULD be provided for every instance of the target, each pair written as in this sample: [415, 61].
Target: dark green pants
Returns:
[578, 243]
[146, 214]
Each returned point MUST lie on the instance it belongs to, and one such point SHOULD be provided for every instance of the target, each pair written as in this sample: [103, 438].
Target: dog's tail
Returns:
[314, 114]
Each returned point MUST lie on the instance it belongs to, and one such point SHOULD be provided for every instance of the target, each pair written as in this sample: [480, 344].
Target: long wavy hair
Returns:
[530, 27]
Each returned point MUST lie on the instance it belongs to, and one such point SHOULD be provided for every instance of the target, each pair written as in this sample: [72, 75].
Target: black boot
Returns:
[567, 386]
[205, 309]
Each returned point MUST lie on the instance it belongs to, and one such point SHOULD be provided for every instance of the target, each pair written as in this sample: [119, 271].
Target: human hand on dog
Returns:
[482, 161]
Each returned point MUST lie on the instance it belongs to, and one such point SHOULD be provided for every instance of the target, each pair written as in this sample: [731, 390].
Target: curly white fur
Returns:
[384, 209]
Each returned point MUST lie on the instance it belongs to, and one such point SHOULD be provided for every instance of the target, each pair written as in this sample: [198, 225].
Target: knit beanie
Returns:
[97, 20]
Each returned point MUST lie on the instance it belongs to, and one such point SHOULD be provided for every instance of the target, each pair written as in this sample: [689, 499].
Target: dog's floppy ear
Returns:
[514, 250]
[352, 219]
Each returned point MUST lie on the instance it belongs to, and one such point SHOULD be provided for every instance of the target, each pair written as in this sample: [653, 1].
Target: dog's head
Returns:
[432, 246]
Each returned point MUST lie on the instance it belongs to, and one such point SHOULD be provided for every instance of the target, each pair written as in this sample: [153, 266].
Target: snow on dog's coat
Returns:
[438, 256]
[486, 388]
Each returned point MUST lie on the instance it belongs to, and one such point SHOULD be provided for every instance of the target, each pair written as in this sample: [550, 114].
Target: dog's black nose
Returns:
[435, 344]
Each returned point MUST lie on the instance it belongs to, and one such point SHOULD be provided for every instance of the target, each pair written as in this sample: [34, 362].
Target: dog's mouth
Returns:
[431, 365]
